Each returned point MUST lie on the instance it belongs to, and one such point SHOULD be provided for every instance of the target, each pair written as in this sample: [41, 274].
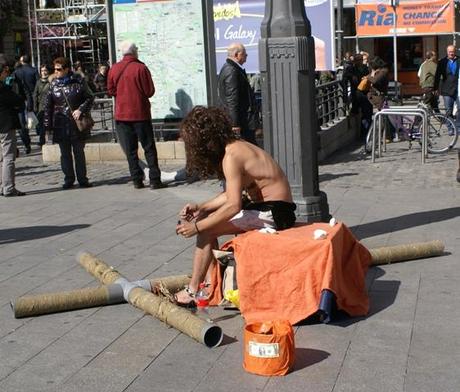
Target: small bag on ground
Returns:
[31, 120]
[269, 348]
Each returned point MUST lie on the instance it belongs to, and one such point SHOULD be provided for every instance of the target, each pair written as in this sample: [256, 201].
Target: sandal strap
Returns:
[189, 291]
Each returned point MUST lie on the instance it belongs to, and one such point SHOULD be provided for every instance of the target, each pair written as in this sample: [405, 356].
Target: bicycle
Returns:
[442, 132]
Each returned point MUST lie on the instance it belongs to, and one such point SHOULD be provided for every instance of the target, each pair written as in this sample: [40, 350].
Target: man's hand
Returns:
[189, 212]
[186, 229]
[76, 114]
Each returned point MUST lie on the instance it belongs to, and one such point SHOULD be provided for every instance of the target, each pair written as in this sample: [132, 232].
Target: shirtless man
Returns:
[212, 148]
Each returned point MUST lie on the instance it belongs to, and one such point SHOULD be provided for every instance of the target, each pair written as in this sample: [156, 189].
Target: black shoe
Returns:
[138, 184]
[28, 149]
[86, 185]
[14, 192]
[157, 185]
[458, 175]
[67, 185]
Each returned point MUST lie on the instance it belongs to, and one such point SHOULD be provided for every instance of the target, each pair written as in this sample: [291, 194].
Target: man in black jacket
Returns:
[10, 105]
[236, 95]
[27, 76]
[446, 80]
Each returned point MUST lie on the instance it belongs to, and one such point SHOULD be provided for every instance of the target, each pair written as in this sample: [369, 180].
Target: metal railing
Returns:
[378, 130]
[330, 103]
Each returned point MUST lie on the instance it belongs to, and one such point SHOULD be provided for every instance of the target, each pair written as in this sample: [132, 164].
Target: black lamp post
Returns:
[287, 65]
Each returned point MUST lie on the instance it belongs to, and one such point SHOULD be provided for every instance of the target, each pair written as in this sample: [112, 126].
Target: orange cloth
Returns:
[281, 276]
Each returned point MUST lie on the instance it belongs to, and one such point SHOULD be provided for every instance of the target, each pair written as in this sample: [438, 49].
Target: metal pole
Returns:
[30, 33]
[287, 67]
[395, 48]
[110, 33]
[112, 55]
[210, 51]
[339, 30]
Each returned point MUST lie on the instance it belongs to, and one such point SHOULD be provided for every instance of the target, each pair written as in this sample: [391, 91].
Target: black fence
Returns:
[331, 103]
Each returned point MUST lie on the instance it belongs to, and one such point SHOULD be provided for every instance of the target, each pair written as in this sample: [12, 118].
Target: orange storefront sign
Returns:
[413, 18]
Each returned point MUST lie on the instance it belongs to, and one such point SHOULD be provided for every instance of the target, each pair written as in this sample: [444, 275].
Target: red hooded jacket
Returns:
[130, 82]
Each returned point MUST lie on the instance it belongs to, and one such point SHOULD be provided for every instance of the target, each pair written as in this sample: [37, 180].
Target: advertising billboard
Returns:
[412, 18]
[240, 20]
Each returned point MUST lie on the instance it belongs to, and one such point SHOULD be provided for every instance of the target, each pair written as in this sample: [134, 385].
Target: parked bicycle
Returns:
[442, 131]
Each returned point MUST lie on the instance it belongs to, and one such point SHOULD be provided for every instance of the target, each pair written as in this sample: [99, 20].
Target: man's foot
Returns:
[67, 185]
[14, 192]
[27, 149]
[86, 184]
[157, 185]
[185, 298]
[138, 184]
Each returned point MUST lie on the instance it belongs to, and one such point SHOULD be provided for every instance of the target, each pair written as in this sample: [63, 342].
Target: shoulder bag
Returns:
[85, 123]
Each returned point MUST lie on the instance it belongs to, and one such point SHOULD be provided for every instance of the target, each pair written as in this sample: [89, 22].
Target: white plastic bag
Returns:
[31, 120]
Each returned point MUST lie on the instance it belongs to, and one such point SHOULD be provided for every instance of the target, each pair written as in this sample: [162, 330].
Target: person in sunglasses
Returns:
[68, 97]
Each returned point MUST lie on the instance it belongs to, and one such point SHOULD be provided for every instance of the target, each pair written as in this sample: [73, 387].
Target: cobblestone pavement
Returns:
[409, 341]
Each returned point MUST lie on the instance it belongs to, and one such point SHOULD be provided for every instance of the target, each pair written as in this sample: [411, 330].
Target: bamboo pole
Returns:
[202, 331]
[36, 305]
[397, 253]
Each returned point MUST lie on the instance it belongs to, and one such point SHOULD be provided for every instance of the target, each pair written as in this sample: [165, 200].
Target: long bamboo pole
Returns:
[202, 331]
[397, 253]
[39, 304]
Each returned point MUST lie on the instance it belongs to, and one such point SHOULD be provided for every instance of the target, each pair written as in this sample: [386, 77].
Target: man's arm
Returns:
[437, 76]
[111, 88]
[233, 173]
[147, 82]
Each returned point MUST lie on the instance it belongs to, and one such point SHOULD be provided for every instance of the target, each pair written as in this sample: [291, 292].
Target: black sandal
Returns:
[189, 305]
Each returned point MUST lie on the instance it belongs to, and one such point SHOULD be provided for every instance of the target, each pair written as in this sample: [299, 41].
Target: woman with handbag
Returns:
[67, 117]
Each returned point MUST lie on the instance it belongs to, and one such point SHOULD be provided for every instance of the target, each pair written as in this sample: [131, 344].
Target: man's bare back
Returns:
[262, 177]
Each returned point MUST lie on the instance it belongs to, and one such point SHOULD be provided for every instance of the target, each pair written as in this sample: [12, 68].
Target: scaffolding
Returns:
[76, 29]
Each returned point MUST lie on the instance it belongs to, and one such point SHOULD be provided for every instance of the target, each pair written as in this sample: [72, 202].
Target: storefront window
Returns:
[410, 53]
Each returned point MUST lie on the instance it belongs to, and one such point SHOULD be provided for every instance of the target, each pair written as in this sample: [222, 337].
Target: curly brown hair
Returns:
[206, 132]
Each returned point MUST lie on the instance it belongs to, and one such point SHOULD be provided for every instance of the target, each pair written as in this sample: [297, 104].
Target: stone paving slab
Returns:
[409, 341]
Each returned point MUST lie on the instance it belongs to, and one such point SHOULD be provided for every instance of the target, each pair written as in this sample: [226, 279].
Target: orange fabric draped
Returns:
[281, 276]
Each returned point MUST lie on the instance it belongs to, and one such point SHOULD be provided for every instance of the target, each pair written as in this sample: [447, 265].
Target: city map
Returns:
[169, 35]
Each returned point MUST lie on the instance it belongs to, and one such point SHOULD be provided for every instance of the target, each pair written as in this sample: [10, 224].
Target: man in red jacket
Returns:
[130, 82]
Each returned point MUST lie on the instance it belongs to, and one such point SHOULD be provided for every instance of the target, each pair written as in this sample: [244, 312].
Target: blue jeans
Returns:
[449, 105]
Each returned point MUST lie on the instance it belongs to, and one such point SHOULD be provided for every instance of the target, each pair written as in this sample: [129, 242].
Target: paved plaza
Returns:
[410, 340]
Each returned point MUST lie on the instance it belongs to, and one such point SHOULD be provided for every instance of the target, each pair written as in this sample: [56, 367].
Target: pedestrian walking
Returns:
[426, 75]
[39, 96]
[130, 82]
[236, 95]
[10, 105]
[67, 99]
[446, 80]
[27, 77]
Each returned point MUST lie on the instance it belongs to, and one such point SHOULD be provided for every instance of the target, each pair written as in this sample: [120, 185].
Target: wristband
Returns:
[196, 228]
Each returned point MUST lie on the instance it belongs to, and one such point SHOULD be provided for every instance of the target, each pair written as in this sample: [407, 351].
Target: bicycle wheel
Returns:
[442, 133]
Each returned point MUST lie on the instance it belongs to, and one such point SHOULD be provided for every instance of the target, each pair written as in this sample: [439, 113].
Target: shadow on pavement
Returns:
[35, 172]
[404, 222]
[329, 176]
[18, 234]
[305, 357]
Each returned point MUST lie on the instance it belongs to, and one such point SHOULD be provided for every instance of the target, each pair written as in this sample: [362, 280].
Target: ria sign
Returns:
[383, 16]
[413, 18]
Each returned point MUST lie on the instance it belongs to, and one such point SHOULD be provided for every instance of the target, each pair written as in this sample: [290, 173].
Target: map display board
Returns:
[170, 38]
